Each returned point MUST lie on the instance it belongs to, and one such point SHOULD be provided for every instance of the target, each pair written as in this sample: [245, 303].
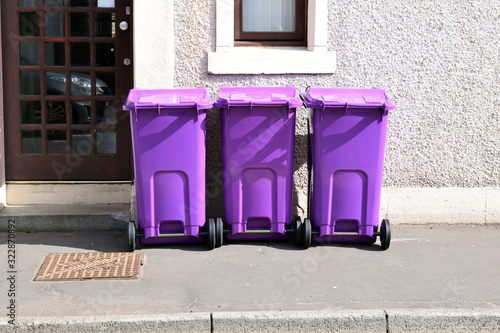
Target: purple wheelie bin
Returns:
[347, 144]
[258, 140]
[168, 137]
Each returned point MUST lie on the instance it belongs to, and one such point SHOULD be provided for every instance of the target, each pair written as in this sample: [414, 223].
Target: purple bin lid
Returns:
[320, 98]
[264, 96]
[168, 98]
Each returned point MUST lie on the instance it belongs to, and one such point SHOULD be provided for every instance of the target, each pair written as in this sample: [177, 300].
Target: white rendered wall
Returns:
[438, 61]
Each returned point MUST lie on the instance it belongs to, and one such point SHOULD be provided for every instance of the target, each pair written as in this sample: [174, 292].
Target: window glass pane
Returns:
[106, 113]
[105, 3]
[32, 142]
[268, 15]
[106, 142]
[28, 3]
[80, 54]
[56, 141]
[55, 83]
[81, 84]
[31, 112]
[105, 24]
[81, 142]
[29, 53]
[105, 54]
[30, 83]
[79, 3]
[29, 24]
[81, 112]
[80, 25]
[105, 84]
[54, 24]
[56, 112]
[54, 54]
[54, 3]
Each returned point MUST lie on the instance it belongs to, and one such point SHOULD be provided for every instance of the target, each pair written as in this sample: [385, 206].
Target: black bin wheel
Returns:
[131, 236]
[211, 238]
[297, 234]
[306, 233]
[219, 237]
[385, 237]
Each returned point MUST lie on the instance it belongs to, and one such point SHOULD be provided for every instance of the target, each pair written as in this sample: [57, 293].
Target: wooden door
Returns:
[67, 71]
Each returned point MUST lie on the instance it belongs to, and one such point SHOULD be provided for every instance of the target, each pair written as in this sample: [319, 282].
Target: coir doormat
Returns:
[91, 266]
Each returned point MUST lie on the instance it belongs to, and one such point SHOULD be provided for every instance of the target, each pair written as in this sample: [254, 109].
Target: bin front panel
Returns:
[348, 154]
[169, 158]
[258, 149]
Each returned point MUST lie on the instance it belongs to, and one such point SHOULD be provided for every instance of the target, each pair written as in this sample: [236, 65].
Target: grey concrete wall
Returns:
[438, 61]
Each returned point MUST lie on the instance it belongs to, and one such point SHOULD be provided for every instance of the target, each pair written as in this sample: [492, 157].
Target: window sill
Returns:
[271, 60]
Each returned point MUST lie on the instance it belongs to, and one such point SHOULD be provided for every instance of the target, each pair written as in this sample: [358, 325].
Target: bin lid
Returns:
[263, 96]
[168, 98]
[319, 98]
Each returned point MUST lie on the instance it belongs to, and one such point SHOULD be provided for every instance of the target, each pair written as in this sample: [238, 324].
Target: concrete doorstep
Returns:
[285, 321]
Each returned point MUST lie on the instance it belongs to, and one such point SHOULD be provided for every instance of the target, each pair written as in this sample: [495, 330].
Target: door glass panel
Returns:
[54, 24]
[28, 3]
[55, 83]
[32, 141]
[80, 24]
[80, 54]
[106, 113]
[56, 112]
[79, 3]
[81, 142]
[81, 84]
[56, 141]
[29, 53]
[31, 112]
[54, 3]
[105, 83]
[54, 54]
[105, 3]
[105, 24]
[30, 83]
[105, 54]
[29, 24]
[81, 112]
[106, 142]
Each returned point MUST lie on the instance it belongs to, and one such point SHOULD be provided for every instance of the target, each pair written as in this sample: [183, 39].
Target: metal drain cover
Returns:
[91, 266]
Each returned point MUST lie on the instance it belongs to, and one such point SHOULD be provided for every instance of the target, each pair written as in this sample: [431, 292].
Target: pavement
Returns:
[433, 278]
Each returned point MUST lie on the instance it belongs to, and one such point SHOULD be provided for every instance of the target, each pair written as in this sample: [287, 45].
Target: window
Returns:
[308, 56]
[270, 22]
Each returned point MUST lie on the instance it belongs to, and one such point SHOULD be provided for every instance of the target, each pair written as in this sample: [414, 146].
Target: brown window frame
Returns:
[296, 38]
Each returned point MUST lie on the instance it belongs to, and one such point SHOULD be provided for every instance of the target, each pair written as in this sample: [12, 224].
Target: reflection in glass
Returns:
[55, 83]
[29, 24]
[80, 25]
[54, 3]
[81, 142]
[81, 112]
[29, 53]
[79, 3]
[31, 112]
[28, 3]
[56, 112]
[106, 113]
[81, 84]
[54, 24]
[32, 141]
[80, 54]
[30, 83]
[105, 54]
[107, 82]
[105, 24]
[54, 54]
[106, 142]
[56, 141]
[105, 3]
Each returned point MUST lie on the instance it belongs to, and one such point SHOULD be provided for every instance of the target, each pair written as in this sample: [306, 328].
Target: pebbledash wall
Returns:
[438, 61]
